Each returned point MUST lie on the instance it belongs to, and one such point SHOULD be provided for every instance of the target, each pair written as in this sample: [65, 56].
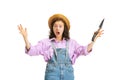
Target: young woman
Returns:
[59, 50]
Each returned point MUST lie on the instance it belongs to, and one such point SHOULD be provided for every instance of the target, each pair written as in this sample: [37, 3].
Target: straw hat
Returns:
[55, 17]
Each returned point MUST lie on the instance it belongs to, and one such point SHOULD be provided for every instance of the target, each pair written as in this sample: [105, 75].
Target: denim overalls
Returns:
[59, 67]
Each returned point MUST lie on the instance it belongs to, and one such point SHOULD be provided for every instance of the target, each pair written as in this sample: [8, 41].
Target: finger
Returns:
[18, 27]
[101, 30]
[25, 29]
[21, 26]
[98, 35]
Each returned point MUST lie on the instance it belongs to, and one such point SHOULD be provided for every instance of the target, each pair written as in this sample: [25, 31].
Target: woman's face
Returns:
[58, 29]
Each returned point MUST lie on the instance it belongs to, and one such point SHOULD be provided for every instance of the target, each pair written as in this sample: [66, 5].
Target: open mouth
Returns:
[57, 33]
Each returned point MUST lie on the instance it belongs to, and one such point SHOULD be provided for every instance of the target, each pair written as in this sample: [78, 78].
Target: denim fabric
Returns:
[59, 67]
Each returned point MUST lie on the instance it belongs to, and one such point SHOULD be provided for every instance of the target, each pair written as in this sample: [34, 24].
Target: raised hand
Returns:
[97, 34]
[23, 31]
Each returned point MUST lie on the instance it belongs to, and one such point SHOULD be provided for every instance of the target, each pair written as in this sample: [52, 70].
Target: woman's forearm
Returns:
[90, 46]
[27, 43]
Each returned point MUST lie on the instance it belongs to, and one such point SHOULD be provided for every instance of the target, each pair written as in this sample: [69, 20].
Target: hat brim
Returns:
[58, 16]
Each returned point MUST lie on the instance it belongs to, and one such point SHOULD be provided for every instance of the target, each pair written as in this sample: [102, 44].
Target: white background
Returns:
[85, 16]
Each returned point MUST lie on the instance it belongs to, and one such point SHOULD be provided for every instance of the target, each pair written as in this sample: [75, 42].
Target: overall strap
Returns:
[55, 53]
[67, 51]
[67, 48]
[53, 46]
[66, 54]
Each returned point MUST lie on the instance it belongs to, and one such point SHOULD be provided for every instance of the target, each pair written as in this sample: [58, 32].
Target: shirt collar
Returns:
[54, 39]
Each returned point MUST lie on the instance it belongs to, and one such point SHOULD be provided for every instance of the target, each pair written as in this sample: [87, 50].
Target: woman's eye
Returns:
[54, 26]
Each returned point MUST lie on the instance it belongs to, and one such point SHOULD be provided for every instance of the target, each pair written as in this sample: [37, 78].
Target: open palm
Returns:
[23, 31]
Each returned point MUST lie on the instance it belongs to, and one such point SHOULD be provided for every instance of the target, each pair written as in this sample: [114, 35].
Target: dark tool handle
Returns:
[95, 34]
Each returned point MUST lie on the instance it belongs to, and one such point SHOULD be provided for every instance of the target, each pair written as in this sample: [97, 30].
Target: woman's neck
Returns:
[58, 38]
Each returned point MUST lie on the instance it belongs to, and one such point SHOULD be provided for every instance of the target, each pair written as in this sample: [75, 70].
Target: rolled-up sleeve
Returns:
[79, 50]
[36, 50]
[82, 50]
[43, 48]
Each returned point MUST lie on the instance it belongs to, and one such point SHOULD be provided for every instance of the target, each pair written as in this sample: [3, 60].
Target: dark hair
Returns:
[65, 32]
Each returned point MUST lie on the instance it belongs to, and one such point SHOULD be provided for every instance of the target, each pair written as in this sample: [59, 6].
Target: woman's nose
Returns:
[58, 27]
